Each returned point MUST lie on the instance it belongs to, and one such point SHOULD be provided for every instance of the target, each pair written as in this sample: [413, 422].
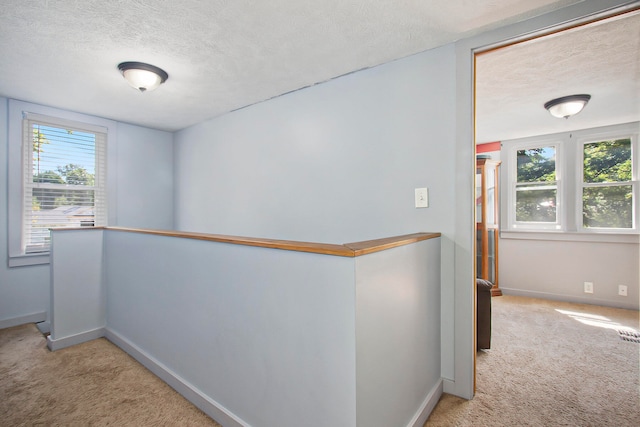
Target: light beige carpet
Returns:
[91, 384]
[552, 364]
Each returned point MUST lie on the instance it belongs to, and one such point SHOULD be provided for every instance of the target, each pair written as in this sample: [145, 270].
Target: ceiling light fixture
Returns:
[567, 106]
[141, 76]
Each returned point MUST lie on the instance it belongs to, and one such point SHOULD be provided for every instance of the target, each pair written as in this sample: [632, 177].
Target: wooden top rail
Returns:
[347, 250]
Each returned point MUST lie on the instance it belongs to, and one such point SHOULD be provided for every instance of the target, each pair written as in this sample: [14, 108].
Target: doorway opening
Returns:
[513, 81]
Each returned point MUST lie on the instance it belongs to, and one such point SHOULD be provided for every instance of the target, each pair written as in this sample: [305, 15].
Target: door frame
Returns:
[464, 353]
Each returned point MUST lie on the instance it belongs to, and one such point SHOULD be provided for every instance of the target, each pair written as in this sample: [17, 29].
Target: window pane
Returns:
[608, 206]
[56, 208]
[536, 205]
[491, 259]
[537, 164]
[63, 155]
[607, 161]
[61, 189]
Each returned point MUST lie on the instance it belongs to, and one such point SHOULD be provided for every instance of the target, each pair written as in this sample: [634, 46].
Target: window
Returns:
[64, 178]
[607, 184]
[57, 176]
[536, 187]
[584, 181]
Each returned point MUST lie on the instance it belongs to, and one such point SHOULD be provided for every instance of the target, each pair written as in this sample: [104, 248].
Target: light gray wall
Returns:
[145, 177]
[143, 163]
[558, 270]
[398, 328]
[267, 334]
[24, 291]
[260, 336]
[78, 301]
[336, 162]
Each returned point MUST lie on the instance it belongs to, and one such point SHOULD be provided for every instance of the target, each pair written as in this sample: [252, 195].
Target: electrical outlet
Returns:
[588, 287]
[622, 290]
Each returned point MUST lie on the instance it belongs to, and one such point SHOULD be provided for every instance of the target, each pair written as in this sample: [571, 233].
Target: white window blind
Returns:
[64, 178]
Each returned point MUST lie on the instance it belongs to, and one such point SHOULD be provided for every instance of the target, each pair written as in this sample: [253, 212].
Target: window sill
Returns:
[571, 236]
[27, 260]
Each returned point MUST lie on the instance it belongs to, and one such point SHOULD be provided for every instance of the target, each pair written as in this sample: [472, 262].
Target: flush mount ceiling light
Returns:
[567, 106]
[141, 76]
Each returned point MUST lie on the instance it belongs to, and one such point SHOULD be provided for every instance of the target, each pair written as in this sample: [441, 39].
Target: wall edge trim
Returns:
[430, 402]
[82, 337]
[21, 320]
[209, 406]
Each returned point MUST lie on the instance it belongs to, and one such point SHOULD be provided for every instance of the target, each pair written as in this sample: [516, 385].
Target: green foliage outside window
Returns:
[48, 197]
[536, 189]
[537, 165]
[607, 206]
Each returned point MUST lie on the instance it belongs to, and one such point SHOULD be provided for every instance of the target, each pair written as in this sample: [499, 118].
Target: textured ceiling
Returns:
[221, 55]
[601, 59]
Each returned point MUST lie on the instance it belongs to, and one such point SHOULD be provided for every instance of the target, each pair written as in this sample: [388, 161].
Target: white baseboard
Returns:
[209, 406]
[21, 320]
[60, 343]
[427, 406]
[630, 305]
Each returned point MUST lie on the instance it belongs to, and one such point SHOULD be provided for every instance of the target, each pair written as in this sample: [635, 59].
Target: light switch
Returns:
[422, 197]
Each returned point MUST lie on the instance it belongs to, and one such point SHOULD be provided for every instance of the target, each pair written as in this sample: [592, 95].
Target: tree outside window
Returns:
[582, 181]
[536, 185]
[60, 183]
[607, 191]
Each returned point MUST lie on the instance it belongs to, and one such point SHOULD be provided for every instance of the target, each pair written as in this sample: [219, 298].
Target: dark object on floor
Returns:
[483, 314]
[629, 335]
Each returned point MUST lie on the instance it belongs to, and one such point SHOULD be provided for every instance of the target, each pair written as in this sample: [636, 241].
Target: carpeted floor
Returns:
[91, 384]
[552, 364]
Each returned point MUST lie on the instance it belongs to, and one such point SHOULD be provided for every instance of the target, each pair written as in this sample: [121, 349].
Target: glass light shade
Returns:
[141, 76]
[142, 79]
[567, 106]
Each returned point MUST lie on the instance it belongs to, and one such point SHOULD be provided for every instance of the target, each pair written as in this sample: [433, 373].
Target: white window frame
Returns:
[610, 133]
[512, 174]
[569, 170]
[17, 111]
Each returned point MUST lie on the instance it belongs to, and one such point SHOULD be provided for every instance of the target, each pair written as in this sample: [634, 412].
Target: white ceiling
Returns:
[220, 55]
[223, 55]
[600, 59]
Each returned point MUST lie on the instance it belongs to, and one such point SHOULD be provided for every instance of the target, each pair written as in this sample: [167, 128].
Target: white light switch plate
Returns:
[422, 197]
